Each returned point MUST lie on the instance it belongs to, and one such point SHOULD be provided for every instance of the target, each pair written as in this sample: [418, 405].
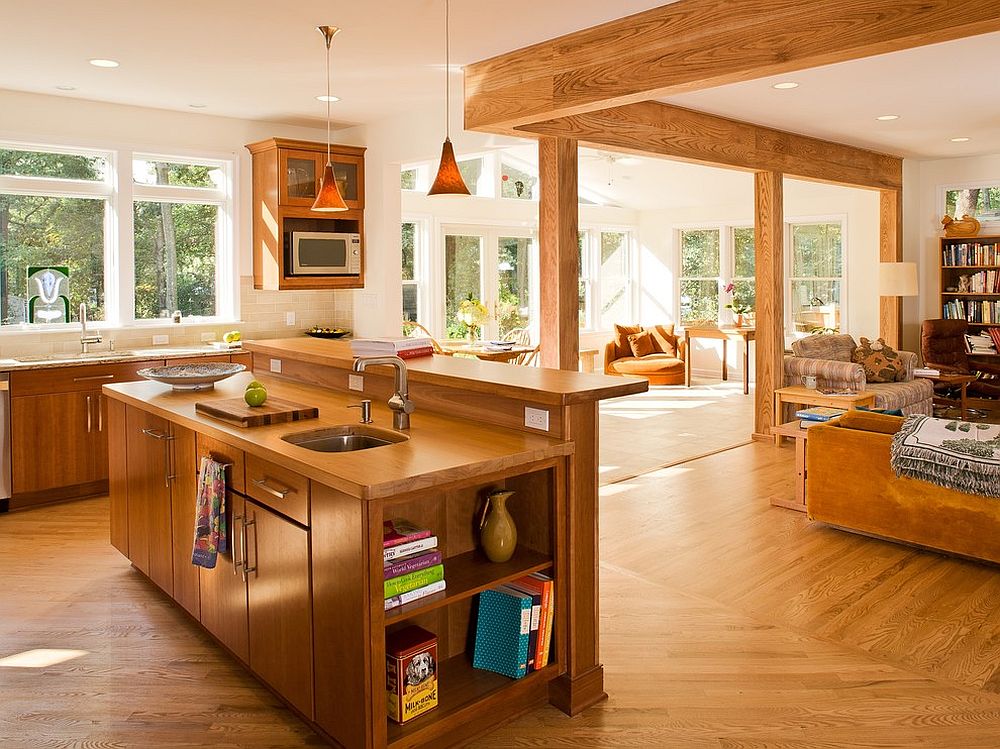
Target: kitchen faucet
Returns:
[86, 340]
[400, 402]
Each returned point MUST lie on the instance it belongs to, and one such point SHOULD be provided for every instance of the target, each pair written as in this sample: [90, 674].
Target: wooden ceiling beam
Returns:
[697, 44]
[687, 135]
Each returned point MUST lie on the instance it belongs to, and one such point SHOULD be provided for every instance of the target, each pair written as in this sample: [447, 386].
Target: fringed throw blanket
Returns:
[954, 454]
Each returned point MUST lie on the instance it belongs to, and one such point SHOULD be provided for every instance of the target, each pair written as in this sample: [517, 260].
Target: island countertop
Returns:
[536, 384]
[441, 449]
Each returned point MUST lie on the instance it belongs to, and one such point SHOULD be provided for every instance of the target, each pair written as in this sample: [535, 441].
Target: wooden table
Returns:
[962, 381]
[587, 358]
[804, 396]
[723, 334]
[793, 430]
[482, 351]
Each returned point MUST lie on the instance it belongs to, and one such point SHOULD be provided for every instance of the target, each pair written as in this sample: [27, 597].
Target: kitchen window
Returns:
[133, 236]
[412, 238]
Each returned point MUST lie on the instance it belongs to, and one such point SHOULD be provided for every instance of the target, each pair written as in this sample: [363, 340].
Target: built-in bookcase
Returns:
[978, 258]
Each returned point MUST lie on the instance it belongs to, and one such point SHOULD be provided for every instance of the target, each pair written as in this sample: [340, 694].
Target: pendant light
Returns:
[329, 199]
[449, 180]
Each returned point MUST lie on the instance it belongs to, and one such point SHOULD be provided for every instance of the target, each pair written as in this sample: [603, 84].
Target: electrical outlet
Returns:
[161, 340]
[276, 366]
[356, 382]
[289, 318]
[536, 418]
[206, 337]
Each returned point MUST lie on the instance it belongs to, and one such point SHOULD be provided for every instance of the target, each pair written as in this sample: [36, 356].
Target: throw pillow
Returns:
[622, 332]
[879, 360]
[641, 343]
[664, 340]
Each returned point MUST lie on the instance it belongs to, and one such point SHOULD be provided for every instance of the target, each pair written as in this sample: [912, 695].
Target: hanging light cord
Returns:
[447, 70]
[329, 38]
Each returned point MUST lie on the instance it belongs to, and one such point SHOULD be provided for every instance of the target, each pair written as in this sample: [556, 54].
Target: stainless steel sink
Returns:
[343, 439]
[122, 354]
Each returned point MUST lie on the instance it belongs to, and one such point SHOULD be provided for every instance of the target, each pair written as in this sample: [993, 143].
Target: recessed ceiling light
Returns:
[197, 106]
[784, 85]
[98, 62]
[887, 117]
[963, 139]
[66, 88]
[324, 97]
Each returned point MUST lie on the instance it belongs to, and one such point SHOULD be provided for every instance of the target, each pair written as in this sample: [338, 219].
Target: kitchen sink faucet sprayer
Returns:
[400, 402]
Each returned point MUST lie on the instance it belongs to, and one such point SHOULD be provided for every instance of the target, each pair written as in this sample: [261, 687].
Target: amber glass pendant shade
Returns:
[449, 180]
[329, 198]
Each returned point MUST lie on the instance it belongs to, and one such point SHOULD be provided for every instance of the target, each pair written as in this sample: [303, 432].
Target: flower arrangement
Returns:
[473, 314]
[738, 305]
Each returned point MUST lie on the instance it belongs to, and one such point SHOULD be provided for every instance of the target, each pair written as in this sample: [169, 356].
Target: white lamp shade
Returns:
[897, 279]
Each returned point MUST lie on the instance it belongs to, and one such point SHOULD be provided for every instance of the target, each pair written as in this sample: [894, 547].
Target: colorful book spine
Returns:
[404, 550]
[549, 614]
[503, 626]
[415, 595]
[399, 531]
[535, 591]
[414, 353]
[413, 580]
[412, 563]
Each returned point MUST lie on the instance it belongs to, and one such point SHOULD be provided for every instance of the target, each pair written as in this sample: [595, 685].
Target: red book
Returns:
[540, 588]
[413, 353]
[399, 531]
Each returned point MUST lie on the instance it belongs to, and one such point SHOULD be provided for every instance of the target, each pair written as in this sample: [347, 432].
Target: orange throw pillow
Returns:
[641, 343]
[622, 332]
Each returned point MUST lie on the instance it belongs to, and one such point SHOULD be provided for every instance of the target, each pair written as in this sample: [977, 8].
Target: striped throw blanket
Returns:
[954, 454]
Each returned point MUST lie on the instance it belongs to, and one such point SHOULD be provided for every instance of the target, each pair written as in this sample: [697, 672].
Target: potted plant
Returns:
[741, 307]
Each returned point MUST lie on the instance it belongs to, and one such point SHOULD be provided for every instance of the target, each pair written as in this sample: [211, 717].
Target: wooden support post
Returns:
[558, 264]
[770, 333]
[890, 313]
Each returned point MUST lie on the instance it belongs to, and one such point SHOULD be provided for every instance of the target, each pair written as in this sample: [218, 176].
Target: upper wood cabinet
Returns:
[286, 179]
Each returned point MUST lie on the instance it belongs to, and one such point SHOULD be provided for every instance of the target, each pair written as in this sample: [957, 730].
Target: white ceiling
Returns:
[940, 91]
[264, 61]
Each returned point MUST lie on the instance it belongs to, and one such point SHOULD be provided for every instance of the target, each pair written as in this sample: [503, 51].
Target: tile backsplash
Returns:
[262, 315]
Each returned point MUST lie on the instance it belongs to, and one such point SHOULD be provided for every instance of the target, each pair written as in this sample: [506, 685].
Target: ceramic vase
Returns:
[497, 532]
[739, 321]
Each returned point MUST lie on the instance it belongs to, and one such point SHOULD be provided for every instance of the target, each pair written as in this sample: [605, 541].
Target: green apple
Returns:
[232, 336]
[255, 384]
[255, 396]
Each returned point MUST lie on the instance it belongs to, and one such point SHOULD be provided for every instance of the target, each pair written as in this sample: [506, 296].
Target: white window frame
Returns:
[725, 261]
[990, 227]
[845, 254]
[523, 166]
[590, 273]
[119, 192]
[421, 267]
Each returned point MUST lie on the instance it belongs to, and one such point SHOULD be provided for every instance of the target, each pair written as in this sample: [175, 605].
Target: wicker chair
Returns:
[412, 329]
[522, 337]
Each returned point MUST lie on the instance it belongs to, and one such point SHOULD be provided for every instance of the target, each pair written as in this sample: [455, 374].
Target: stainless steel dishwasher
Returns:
[4, 440]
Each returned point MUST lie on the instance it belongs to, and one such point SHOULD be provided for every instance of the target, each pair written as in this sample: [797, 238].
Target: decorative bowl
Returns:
[192, 376]
[327, 332]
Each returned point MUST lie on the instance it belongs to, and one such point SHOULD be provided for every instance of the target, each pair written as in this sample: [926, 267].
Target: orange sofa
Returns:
[663, 365]
[852, 486]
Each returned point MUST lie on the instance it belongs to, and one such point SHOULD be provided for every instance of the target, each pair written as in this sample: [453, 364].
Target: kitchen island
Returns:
[299, 597]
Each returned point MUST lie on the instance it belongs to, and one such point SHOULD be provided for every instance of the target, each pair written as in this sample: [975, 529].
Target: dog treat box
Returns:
[410, 673]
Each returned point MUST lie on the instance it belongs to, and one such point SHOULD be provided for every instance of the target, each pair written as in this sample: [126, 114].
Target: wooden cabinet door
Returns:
[148, 489]
[350, 171]
[183, 502]
[280, 602]
[224, 588]
[299, 176]
[55, 441]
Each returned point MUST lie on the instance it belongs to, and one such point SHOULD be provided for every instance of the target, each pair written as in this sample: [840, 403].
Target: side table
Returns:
[792, 430]
[804, 396]
[961, 381]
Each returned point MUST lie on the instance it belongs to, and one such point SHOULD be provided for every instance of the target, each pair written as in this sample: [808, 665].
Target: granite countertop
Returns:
[49, 361]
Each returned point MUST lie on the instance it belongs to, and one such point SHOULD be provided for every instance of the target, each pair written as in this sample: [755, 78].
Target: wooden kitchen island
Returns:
[298, 599]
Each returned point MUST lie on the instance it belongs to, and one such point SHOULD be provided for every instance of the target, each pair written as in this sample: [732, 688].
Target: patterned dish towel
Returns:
[210, 514]
[954, 454]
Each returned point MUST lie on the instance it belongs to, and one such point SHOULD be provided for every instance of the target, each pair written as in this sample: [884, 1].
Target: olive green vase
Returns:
[497, 532]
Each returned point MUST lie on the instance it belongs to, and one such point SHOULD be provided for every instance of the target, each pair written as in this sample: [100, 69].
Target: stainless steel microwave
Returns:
[321, 253]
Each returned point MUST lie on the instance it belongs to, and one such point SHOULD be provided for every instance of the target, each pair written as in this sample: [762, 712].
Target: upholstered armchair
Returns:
[663, 364]
[830, 359]
[942, 345]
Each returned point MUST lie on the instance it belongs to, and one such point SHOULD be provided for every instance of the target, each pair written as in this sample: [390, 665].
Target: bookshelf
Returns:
[978, 258]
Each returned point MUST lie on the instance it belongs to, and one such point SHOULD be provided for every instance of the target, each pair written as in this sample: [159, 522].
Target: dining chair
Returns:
[411, 327]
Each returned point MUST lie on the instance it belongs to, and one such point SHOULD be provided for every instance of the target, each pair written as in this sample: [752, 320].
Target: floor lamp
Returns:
[895, 280]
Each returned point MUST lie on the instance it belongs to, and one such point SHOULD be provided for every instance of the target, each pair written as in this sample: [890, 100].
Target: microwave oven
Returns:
[321, 253]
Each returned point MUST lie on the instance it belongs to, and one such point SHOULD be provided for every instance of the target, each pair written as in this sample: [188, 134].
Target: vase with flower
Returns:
[473, 314]
[742, 308]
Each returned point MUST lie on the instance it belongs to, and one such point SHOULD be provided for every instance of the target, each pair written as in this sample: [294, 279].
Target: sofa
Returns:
[662, 364]
[852, 486]
[829, 357]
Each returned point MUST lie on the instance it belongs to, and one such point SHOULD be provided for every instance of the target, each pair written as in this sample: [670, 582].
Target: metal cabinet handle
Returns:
[90, 417]
[91, 378]
[238, 562]
[100, 413]
[247, 568]
[280, 492]
[157, 435]
[167, 439]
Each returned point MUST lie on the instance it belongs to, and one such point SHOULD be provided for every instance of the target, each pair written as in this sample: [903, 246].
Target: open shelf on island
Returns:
[461, 688]
[471, 573]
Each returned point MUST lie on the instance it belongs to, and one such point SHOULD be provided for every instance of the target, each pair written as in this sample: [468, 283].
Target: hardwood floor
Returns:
[725, 623]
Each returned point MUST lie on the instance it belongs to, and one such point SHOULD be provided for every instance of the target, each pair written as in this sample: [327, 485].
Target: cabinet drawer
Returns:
[223, 453]
[278, 488]
[71, 379]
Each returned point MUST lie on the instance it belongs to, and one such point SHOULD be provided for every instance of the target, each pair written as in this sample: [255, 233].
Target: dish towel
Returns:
[210, 514]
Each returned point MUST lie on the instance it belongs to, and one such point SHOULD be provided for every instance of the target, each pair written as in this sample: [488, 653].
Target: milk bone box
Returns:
[410, 673]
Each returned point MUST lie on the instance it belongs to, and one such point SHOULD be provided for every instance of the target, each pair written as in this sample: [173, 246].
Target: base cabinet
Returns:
[224, 588]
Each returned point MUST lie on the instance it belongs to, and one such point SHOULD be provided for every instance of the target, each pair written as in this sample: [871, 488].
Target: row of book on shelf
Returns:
[970, 253]
[404, 348]
[975, 311]
[987, 343]
[983, 282]
[513, 622]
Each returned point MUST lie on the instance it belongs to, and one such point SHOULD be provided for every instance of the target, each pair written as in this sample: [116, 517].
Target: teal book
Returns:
[395, 586]
[503, 628]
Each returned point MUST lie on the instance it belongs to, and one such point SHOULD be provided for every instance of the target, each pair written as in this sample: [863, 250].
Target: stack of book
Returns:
[411, 563]
[514, 626]
[971, 253]
[995, 335]
[980, 344]
[404, 348]
[809, 417]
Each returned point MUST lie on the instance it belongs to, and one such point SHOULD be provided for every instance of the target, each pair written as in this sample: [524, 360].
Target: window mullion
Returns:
[124, 262]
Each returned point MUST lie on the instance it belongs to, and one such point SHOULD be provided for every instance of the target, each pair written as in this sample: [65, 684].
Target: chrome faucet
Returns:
[400, 402]
[86, 340]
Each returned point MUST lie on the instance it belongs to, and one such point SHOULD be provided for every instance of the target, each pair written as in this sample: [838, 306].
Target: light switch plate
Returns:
[356, 382]
[289, 318]
[276, 365]
[161, 340]
[536, 418]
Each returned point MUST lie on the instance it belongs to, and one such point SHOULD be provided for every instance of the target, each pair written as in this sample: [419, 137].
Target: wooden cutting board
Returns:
[274, 411]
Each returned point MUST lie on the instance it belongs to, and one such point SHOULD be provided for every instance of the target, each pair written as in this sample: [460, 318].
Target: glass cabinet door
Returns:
[299, 173]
